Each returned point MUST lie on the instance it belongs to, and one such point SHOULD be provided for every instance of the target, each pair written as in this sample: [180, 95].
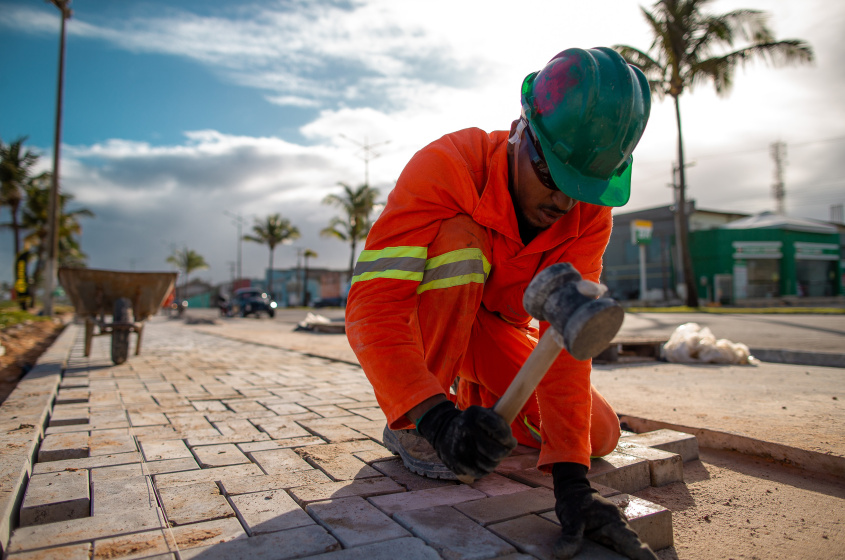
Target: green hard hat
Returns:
[588, 109]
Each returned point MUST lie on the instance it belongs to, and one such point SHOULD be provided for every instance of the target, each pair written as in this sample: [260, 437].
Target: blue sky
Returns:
[176, 112]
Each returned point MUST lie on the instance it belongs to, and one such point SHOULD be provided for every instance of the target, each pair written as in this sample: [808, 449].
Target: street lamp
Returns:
[53, 204]
[239, 221]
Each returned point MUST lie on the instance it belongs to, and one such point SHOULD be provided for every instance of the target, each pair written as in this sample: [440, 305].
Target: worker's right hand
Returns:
[470, 442]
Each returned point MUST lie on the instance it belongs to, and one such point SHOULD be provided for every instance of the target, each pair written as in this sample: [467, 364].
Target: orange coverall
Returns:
[437, 293]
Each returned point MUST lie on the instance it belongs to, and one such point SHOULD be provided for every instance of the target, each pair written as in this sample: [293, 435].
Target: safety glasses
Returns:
[538, 162]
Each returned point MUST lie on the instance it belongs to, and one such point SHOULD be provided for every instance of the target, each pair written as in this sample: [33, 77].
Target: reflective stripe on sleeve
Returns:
[400, 263]
[455, 268]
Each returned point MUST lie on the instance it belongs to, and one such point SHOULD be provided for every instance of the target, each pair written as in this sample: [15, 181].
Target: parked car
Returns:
[327, 302]
[250, 301]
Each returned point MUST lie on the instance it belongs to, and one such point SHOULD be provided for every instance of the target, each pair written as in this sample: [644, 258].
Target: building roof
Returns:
[768, 220]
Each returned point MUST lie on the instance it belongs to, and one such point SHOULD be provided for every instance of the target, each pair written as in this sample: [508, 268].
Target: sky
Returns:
[184, 118]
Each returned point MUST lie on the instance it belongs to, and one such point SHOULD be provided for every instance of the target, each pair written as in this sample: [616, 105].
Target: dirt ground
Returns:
[23, 343]
[732, 506]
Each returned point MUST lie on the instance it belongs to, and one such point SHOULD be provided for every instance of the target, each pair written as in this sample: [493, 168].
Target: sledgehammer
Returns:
[581, 321]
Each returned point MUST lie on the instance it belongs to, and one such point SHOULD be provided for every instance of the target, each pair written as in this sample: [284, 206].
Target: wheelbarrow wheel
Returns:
[120, 333]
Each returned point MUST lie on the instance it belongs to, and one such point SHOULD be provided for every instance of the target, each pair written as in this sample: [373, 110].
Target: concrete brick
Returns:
[295, 543]
[55, 497]
[406, 549]
[167, 449]
[515, 463]
[263, 483]
[146, 468]
[331, 429]
[219, 455]
[108, 419]
[532, 477]
[207, 533]
[196, 440]
[210, 406]
[355, 522]
[497, 485]
[82, 530]
[236, 426]
[281, 428]
[72, 396]
[652, 522]
[453, 535]
[365, 487]
[280, 461]
[60, 447]
[109, 442]
[193, 503]
[664, 467]
[622, 472]
[509, 506]
[685, 445]
[205, 475]
[397, 471]
[80, 551]
[419, 499]
[280, 443]
[529, 534]
[68, 415]
[87, 463]
[267, 512]
[147, 418]
[138, 545]
[114, 495]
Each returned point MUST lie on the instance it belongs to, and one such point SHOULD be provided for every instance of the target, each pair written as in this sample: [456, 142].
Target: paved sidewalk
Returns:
[202, 447]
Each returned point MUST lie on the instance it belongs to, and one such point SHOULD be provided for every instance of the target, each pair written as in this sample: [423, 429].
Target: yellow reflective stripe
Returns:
[456, 256]
[393, 252]
[455, 268]
[395, 274]
[451, 282]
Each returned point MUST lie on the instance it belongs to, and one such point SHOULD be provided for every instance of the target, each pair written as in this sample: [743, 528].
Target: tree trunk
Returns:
[683, 229]
[352, 259]
[270, 284]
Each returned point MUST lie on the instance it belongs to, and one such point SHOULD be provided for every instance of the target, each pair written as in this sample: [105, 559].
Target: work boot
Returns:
[417, 454]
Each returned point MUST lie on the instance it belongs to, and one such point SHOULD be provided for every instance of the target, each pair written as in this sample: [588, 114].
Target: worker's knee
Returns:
[604, 441]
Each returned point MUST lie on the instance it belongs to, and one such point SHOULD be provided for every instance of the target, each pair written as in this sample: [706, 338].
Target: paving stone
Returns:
[167, 449]
[206, 475]
[497, 485]
[280, 461]
[294, 543]
[219, 455]
[72, 396]
[664, 467]
[108, 419]
[82, 530]
[138, 545]
[652, 522]
[80, 551]
[515, 463]
[398, 472]
[622, 472]
[207, 533]
[211, 406]
[509, 506]
[532, 477]
[364, 487]
[87, 462]
[147, 418]
[430, 498]
[453, 535]
[406, 548]
[331, 430]
[536, 536]
[355, 522]
[280, 443]
[55, 497]
[194, 441]
[685, 445]
[236, 426]
[109, 442]
[60, 447]
[263, 483]
[193, 503]
[146, 468]
[269, 511]
[68, 415]
[115, 495]
[281, 428]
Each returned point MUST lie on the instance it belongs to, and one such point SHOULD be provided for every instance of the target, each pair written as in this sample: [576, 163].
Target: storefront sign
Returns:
[816, 251]
[757, 250]
[641, 232]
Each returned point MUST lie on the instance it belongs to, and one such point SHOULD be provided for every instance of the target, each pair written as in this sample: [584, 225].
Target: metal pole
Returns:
[642, 272]
[53, 204]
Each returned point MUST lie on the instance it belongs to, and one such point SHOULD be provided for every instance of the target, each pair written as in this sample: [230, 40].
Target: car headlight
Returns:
[273, 305]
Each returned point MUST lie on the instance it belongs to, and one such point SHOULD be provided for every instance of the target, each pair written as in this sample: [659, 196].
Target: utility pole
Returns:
[53, 205]
[367, 153]
[778, 151]
[239, 221]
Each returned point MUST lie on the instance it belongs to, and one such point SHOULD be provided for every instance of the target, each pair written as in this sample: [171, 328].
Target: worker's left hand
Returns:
[582, 511]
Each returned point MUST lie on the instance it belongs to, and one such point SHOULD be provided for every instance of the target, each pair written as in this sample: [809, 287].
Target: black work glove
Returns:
[583, 512]
[470, 442]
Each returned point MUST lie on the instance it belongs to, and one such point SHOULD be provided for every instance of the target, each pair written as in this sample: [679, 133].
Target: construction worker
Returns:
[437, 293]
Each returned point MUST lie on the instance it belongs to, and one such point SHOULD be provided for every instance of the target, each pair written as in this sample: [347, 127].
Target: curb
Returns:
[23, 418]
[798, 358]
[800, 458]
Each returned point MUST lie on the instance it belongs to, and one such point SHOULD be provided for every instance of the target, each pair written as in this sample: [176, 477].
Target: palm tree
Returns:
[187, 260]
[307, 255]
[691, 47]
[35, 219]
[15, 172]
[272, 231]
[357, 205]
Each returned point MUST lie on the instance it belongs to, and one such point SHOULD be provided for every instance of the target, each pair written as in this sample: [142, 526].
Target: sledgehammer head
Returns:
[569, 304]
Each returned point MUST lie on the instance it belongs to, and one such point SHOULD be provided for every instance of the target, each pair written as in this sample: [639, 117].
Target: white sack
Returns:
[692, 343]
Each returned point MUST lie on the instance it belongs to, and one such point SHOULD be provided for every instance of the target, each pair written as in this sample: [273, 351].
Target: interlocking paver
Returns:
[167, 449]
[270, 511]
[279, 461]
[59, 447]
[279, 443]
[685, 445]
[138, 545]
[364, 487]
[117, 495]
[87, 462]
[111, 441]
[509, 506]
[295, 543]
[219, 455]
[453, 535]
[419, 499]
[247, 484]
[55, 497]
[355, 522]
[397, 471]
[664, 467]
[193, 503]
[406, 549]
[497, 485]
[623, 472]
[205, 475]
[80, 551]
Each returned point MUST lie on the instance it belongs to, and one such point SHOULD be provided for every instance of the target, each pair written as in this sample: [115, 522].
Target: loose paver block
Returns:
[453, 535]
[622, 472]
[685, 445]
[664, 467]
[81, 551]
[510, 506]
[207, 533]
[69, 415]
[407, 501]
[115, 495]
[279, 461]
[55, 497]
[267, 512]
[60, 447]
[147, 418]
[193, 503]
[355, 522]
[364, 487]
[87, 463]
[652, 522]
[219, 455]
[137, 545]
[107, 442]
[167, 449]
[407, 549]
[294, 543]
[263, 483]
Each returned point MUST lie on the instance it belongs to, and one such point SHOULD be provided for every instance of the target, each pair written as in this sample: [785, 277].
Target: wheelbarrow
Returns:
[128, 297]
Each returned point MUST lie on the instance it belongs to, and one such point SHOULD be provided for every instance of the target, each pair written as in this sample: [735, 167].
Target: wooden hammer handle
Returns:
[529, 376]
